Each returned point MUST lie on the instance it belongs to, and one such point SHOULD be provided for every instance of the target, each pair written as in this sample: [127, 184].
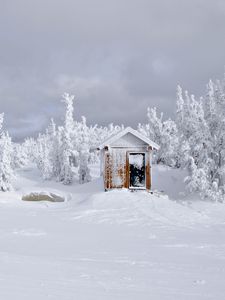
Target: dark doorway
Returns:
[137, 170]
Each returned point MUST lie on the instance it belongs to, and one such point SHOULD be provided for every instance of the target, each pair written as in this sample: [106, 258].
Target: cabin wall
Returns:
[116, 167]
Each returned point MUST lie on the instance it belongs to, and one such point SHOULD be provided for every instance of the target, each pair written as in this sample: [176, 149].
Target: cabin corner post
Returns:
[127, 171]
[107, 169]
[148, 170]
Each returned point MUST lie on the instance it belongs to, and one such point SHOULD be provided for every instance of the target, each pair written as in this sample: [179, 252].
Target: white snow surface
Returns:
[117, 245]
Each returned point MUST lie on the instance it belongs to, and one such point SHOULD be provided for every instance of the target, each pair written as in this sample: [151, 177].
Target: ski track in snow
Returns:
[116, 245]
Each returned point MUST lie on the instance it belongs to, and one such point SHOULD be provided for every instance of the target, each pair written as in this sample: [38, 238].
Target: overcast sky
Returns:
[117, 56]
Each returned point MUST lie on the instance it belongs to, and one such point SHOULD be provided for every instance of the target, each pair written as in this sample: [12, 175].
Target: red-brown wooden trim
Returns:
[107, 171]
[148, 171]
[127, 171]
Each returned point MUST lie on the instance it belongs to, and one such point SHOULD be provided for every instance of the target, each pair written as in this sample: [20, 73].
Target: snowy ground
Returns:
[116, 245]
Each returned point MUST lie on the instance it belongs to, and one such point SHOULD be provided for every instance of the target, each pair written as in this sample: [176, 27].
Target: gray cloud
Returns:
[117, 57]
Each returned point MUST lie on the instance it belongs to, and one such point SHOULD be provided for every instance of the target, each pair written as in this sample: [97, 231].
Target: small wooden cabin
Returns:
[126, 160]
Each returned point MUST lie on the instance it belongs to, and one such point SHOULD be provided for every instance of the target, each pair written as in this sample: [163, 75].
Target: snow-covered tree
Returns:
[197, 181]
[54, 142]
[164, 133]
[84, 151]
[6, 149]
[19, 156]
[29, 147]
[65, 151]
[201, 125]
[66, 147]
[43, 159]
[1, 120]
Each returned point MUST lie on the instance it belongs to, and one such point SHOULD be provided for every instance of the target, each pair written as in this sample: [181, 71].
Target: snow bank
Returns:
[169, 180]
[116, 245]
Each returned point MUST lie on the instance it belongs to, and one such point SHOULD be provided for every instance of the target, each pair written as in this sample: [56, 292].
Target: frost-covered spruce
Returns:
[66, 148]
[42, 156]
[6, 171]
[164, 133]
[202, 127]
[66, 173]
[19, 156]
[84, 171]
[1, 120]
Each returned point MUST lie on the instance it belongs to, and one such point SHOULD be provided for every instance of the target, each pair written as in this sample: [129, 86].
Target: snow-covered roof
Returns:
[122, 133]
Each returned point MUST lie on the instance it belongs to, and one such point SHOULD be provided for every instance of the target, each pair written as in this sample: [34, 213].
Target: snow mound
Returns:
[137, 208]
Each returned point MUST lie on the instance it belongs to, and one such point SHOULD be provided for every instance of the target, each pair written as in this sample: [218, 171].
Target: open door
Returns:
[137, 176]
